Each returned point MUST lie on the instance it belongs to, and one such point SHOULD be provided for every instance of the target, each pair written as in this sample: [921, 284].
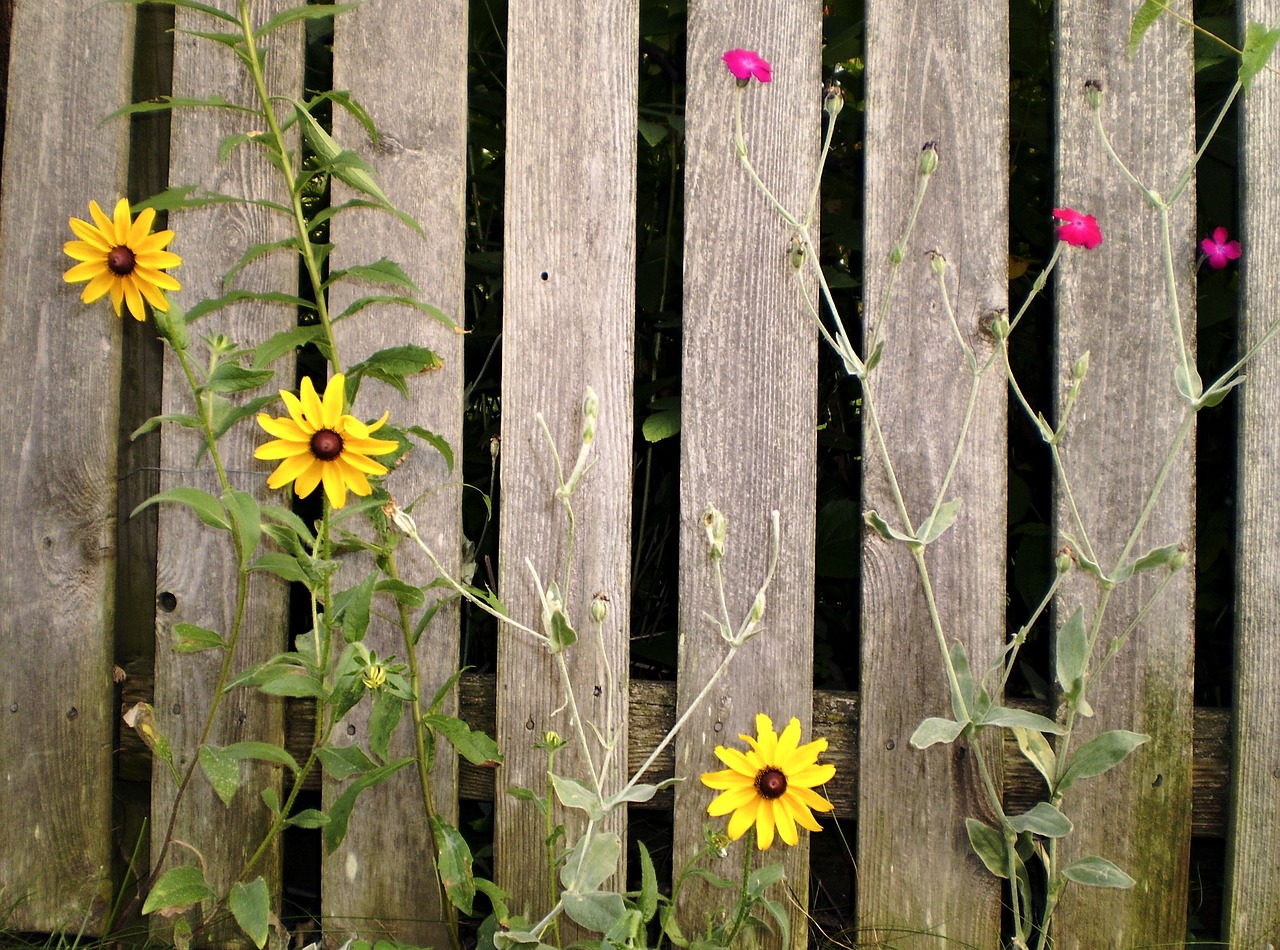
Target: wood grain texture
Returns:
[568, 322]
[60, 373]
[930, 77]
[413, 82]
[197, 565]
[1114, 302]
[748, 407]
[1251, 910]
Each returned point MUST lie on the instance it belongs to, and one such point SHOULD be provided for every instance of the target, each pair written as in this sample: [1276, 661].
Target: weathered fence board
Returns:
[568, 324]
[747, 404]
[1251, 909]
[60, 370]
[196, 573]
[1114, 302]
[929, 75]
[413, 83]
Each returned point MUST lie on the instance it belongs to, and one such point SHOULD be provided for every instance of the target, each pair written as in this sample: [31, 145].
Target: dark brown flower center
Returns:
[770, 783]
[121, 260]
[326, 445]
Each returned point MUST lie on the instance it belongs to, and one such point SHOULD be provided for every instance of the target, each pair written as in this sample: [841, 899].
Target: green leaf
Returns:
[342, 763]
[1038, 751]
[351, 608]
[340, 810]
[263, 751]
[178, 889]
[181, 418]
[388, 709]
[328, 152]
[1156, 557]
[1100, 754]
[1219, 391]
[282, 565]
[214, 304]
[255, 251]
[393, 364]
[188, 638]
[243, 509]
[988, 844]
[206, 507]
[964, 679]
[165, 103]
[1071, 653]
[933, 527]
[192, 5]
[1259, 43]
[285, 343]
[295, 682]
[1022, 718]
[317, 11]
[472, 744]
[1097, 872]
[638, 793]
[647, 902]
[308, 818]
[222, 771]
[561, 633]
[179, 198]
[1188, 382]
[660, 425]
[595, 910]
[362, 302]
[934, 730]
[382, 271]
[1147, 14]
[575, 794]
[454, 865]
[1044, 820]
[251, 906]
[883, 528]
[591, 861]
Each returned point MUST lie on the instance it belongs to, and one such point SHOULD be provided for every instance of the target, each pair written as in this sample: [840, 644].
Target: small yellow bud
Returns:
[375, 677]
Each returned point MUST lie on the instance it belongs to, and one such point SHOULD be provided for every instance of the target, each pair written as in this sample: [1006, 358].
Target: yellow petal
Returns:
[157, 259]
[117, 293]
[743, 818]
[311, 405]
[812, 775]
[151, 292]
[141, 227]
[352, 477]
[132, 298]
[786, 823]
[764, 826]
[155, 242]
[155, 278]
[99, 286]
[120, 234]
[334, 486]
[726, 778]
[359, 463]
[369, 446]
[88, 270]
[800, 809]
[289, 470]
[284, 428]
[105, 226]
[281, 449]
[731, 800]
[89, 234]
[331, 408]
[787, 744]
[85, 251]
[737, 761]
[767, 743]
[306, 483]
[297, 412]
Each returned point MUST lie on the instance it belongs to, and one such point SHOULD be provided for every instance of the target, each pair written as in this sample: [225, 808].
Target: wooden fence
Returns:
[74, 379]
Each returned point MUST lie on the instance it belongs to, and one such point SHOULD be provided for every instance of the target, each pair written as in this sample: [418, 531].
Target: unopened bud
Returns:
[797, 253]
[832, 101]
[599, 608]
[1178, 561]
[928, 159]
[1063, 561]
[495, 446]
[1093, 93]
[716, 526]
[1080, 367]
[590, 413]
[1000, 326]
[937, 263]
[757, 608]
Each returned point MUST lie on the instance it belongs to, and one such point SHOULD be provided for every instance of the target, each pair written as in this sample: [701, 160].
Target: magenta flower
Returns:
[745, 63]
[1078, 230]
[1219, 250]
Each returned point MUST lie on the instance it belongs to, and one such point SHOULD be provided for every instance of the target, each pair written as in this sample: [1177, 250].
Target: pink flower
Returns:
[745, 63]
[1078, 230]
[1219, 250]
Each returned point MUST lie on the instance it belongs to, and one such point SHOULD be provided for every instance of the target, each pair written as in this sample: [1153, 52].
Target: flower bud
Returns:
[716, 526]
[599, 608]
[590, 413]
[1093, 93]
[1178, 561]
[832, 101]
[937, 263]
[1063, 561]
[928, 159]
[1080, 367]
[757, 608]
[495, 446]
[375, 677]
[797, 253]
[1000, 326]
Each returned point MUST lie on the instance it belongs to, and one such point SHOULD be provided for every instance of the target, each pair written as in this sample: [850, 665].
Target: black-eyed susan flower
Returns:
[318, 442]
[770, 786]
[121, 257]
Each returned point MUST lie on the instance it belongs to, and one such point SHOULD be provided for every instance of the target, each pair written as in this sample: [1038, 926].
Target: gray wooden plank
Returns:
[931, 74]
[1113, 301]
[196, 573]
[60, 367]
[748, 409]
[568, 322]
[1251, 909]
[414, 84]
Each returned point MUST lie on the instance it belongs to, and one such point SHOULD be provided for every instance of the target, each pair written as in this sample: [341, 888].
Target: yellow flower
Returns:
[319, 443]
[771, 786]
[375, 677]
[123, 258]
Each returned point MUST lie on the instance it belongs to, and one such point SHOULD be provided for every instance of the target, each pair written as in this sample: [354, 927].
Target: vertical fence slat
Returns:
[568, 321]
[196, 573]
[60, 367]
[413, 83]
[1252, 904]
[747, 429]
[1114, 302]
[933, 74]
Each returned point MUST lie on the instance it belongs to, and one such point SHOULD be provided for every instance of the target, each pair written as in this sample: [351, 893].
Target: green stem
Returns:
[743, 909]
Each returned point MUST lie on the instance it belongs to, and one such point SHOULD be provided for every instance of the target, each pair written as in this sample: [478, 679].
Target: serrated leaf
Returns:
[308, 818]
[453, 864]
[317, 11]
[988, 844]
[1071, 653]
[295, 682]
[342, 763]
[222, 771]
[251, 906]
[193, 5]
[472, 744]
[340, 810]
[388, 709]
[1147, 14]
[181, 418]
[351, 608]
[382, 271]
[177, 889]
[179, 198]
[1097, 872]
[166, 103]
[214, 304]
[255, 251]
[1259, 43]
[188, 638]
[282, 565]
[207, 508]
[1044, 820]
[437, 442]
[1100, 754]
[243, 509]
[328, 151]
[936, 524]
[368, 301]
[407, 594]
[285, 343]
[934, 730]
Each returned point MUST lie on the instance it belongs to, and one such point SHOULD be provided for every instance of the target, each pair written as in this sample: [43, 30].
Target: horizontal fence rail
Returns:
[84, 586]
